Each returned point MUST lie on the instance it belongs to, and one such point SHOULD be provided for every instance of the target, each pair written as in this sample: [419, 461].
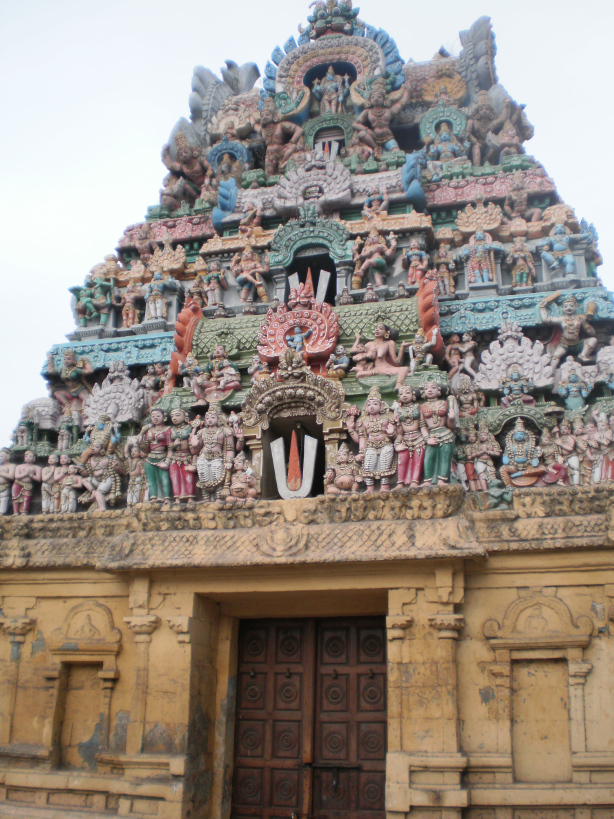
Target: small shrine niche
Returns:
[303, 471]
[315, 265]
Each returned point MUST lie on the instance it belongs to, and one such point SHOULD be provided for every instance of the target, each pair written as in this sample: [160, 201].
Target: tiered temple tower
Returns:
[316, 520]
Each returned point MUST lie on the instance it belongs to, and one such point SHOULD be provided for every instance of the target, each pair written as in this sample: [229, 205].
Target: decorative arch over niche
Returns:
[304, 232]
[539, 626]
[312, 127]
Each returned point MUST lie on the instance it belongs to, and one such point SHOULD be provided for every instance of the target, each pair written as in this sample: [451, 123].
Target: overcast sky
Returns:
[90, 91]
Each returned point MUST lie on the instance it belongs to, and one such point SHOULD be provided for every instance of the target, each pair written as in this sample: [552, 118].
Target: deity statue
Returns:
[248, 271]
[568, 447]
[344, 477]
[197, 290]
[605, 437]
[258, 369]
[190, 166]
[103, 478]
[154, 441]
[556, 250]
[521, 458]
[7, 474]
[374, 432]
[129, 298]
[275, 132]
[214, 282]
[373, 125]
[297, 337]
[243, 482]
[376, 205]
[193, 378]
[445, 266]
[223, 373]
[572, 325]
[137, 491]
[75, 387]
[409, 442]
[483, 451]
[50, 490]
[516, 205]
[419, 355]
[331, 91]
[338, 363]
[94, 298]
[556, 471]
[574, 390]
[470, 400]
[214, 444]
[380, 357]
[480, 260]
[520, 262]
[374, 255]
[155, 295]
[150, 386]
[445, 148]
[416, 262]
[484, 121]
[70, 483]
[23, 483]
[438, 418]
[182, 470]
[516, 388]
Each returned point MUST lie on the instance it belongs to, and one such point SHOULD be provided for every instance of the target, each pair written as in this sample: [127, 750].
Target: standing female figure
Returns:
[438, 422]
[154, 441]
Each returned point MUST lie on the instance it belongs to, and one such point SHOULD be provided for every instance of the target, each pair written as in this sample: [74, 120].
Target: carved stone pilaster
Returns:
[447, 624]
[143, 626]
[181, 626]
[16, 628]
[397, 628]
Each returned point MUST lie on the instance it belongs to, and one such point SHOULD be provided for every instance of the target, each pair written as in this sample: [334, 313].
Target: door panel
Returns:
[311, 719]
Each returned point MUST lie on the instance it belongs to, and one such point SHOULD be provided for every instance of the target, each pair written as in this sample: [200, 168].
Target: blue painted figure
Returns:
[556, 251]
[297, 338]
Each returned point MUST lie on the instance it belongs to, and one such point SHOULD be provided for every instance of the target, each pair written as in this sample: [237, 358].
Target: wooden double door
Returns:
[310, 738]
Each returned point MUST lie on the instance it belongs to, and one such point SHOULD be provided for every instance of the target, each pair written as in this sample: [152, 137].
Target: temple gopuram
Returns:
[316, 520]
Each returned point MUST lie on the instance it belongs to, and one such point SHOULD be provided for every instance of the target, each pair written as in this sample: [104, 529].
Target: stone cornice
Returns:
[438, 523]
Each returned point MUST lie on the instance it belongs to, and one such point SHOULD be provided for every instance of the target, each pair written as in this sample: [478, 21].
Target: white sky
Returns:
[90, 91]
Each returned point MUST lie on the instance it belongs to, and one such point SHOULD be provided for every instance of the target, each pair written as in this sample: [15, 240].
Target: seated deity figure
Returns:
[373, 125]
[573, 324]
[282, 139]
[331, 91]
[374, 432]
[516, 387]
[243, 482]
[556, 471]
[194, 378]
[223, 374]
[103, 475]
[190, 166]
[556, 250]
[376, 205]
[338, 363]
[574, 390]
[344, 477]
[521, 458]
[380, 357]
[444, 149]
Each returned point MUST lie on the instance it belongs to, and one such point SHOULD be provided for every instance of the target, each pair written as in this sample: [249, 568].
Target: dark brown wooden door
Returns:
[311, 719]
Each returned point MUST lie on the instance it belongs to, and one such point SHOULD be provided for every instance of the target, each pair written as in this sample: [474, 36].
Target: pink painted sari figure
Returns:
[409, 443]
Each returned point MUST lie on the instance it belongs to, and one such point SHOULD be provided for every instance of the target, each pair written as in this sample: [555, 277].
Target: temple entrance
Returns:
[310, 734]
